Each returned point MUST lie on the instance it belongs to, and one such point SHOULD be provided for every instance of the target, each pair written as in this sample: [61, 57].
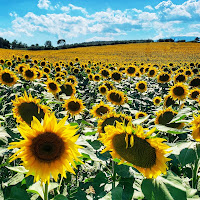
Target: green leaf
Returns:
[170, 130]
[20, 169]
[60, 197]
[17, 178]
[36, 188]
[169, 188]
[140, 120]
[187, 156]
[18, 194]
[117, 193]
[90, 133]
[95, 144]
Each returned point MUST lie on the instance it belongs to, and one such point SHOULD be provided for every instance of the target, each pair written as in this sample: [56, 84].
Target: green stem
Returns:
[114, 174]
[46, 191]
[194, 174]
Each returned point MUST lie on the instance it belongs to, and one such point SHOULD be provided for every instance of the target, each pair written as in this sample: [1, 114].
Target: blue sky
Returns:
[36, 21]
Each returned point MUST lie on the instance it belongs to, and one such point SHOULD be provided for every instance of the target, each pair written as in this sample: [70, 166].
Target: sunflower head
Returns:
[116, 76]
[180, 77]
[130, 70]
[72, 79]
[27, 107]
[116, 97]
[52, 86]
[163, 78]
[132, 145]
[47, 150]
[96, 77]
[141, 86]
[74, 106]
[29, 73]
[8, 77]
[179, 91]
[68, 89]
[157, 100]
[140, 114]
[195, 82]
[100, 109]
[194, 93]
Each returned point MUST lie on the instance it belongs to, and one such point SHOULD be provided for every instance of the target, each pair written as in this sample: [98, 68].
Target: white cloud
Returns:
[65, 8]
[83, 10]
[44, 4]
[13, 14]
[4, 33]
[146, 16]
[149, 7]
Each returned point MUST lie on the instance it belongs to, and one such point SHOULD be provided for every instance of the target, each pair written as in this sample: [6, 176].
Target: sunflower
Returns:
[58, 69]
[52, 86]
[103, 89]
[96, 77]
[20, 68]
[157, 100]
[188, 73]
[76, 70]
[196, 128]
[195, 82]
[133, 145]
[72, 79]
[130, 70]
[29, 73]
[100, 109]
[2, 61]
[8, 63]
[165, 116]
[180, 77]
[68, 89]
[46, 70]
[26, 107]
[90, 77]
[7, 77]
[152, 72]
[116, 97]
[88, 70]
[141, 86]
[47, 150]
[116, 76]
[43, 63]
[140, 114]
[194, 93]
[39, 73]
[26, 56]
[168, 101]
[74, 106]
[163, 78]
[109, 85]
[179, 91]
[110, 119]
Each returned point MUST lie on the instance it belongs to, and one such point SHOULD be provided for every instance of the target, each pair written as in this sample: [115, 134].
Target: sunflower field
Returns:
[117, 122]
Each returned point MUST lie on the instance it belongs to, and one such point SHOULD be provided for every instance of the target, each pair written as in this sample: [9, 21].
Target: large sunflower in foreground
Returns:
[8, 77]
[47, 150]
[100, 109]
[74, 106]
[133, 145]
[27, 107]
[179, 91]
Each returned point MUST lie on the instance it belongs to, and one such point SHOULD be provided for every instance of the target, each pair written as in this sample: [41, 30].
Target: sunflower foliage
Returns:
[122, 123]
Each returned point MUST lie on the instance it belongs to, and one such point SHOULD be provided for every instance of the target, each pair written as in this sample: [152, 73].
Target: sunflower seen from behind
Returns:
[27, 107]
[74, 106]
[8, 77]
[47, 149]
[133, 145]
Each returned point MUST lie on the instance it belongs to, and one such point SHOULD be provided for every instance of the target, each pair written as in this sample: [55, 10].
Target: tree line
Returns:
[61, 44]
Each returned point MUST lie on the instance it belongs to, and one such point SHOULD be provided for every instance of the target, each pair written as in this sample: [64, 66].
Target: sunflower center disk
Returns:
[178, 91]
[47, 147]
[142, 154]
[101, 110]
[28, 110]
[52, 86]
[103, 89]
[7, 78]
[164, 77]
[67, 89]
[73, 106]
[116, 76]
[180, 78]
[131, 70]
[29, 73]
[115, 97]
[195, 94]
[141, 86]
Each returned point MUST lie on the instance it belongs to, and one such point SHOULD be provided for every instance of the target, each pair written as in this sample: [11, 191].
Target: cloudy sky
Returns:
[35, 21]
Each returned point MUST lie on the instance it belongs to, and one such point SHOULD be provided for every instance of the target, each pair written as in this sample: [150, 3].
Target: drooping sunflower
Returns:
[194, 93]
[196, 128]
[25, 107]
[29, 73]
[103, 89]
[109, 85]
[116, 76]
[52, 86]
[68, 89]
[141, 86]
[8, 77]
[179, 91]
[168, 101]
[133, 145]
[100, 109]
[47, 150]
[110, 119]
[140, 114]
[73, 106]
[163, 78]
[116, 97]
[165, 116]
[157, 100]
